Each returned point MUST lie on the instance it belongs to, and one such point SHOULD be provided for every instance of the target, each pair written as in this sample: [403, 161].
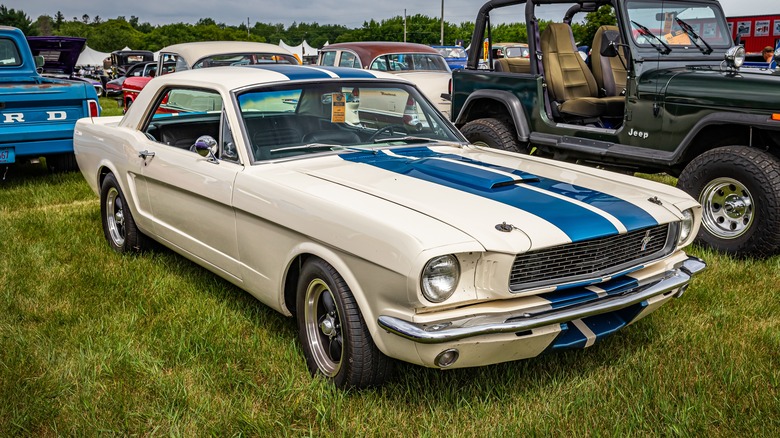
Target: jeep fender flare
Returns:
[722, 118]
[510, 102]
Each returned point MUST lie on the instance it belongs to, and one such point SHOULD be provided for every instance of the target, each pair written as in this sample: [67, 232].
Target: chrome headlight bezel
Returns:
[440, 277]
[686, 226]
[735, 56]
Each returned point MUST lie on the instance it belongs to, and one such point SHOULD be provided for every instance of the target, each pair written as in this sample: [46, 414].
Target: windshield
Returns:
[298, 119]
[667, 20]
[410, 61]
[244, 59]
[452, 52]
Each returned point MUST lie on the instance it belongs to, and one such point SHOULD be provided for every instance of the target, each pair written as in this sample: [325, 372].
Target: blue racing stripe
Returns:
[350, 73]
[294, 72]
[577, 222]
[630, 215]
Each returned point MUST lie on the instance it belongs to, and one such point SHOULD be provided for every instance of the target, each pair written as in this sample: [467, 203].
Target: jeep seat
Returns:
[569, 81]
[610, 74]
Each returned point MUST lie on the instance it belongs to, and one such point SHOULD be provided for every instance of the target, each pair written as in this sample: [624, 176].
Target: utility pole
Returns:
[441, 40]
[247, 27]
[404, 25]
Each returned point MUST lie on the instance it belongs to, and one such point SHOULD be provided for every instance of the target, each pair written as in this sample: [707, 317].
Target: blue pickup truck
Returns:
[37, 114]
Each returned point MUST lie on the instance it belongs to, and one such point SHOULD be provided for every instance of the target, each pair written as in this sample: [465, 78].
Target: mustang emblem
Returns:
[646, 240]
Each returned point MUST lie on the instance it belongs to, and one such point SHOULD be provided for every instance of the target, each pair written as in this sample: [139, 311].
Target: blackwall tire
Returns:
[333, 334]
[493, 133]
[739, 190]
[118, 224]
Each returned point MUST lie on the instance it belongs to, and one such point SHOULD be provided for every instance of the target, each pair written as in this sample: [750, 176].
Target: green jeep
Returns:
[663, 92]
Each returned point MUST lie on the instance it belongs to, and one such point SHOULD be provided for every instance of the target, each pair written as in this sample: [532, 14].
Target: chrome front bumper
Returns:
[477, 325]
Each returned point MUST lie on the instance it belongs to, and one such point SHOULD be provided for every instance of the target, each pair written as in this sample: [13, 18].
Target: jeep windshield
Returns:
[678, 25]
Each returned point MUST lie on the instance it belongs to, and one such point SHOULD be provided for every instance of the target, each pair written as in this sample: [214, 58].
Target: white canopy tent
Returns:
[302, 50]
[90, 56]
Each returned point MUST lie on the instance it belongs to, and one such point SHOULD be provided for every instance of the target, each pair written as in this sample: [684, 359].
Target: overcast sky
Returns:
[350, 13]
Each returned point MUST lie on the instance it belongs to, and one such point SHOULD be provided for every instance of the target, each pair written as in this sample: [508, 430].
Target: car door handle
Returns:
[145, 154]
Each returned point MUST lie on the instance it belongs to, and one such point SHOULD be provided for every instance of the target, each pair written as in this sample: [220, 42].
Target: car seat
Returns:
[569, 81]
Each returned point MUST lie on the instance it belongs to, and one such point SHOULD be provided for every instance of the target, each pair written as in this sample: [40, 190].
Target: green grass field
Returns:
[94, 343]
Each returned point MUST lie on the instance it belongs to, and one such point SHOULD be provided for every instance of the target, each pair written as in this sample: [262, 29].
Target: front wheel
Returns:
[739, 190]
[334, 336]
[493, 133]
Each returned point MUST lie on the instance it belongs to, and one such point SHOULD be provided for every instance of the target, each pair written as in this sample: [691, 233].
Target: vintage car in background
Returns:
[420, 64]
[141, 69]
[455, 56]
[385, 237]
[60, 55]
[510, 57]
[191, 56]
[37, 113]
[119, 61]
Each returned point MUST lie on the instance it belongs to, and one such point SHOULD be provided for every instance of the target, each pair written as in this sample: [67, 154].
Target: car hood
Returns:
[743, 89]
[506, 203]
[60, 53]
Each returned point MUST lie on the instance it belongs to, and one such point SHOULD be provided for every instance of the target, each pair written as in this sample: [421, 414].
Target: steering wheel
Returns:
[392, 129]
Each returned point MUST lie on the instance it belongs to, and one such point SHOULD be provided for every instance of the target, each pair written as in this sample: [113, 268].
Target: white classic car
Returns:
[387, 237]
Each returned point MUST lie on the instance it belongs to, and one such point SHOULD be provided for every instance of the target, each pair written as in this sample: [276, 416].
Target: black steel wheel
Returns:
[334, 336]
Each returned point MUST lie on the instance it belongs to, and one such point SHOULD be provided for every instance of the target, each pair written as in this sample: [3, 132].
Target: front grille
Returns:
[590, 259]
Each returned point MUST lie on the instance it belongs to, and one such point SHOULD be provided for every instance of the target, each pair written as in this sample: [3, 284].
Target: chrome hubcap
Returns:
[728, 208]
[323, 327]
[115, 217]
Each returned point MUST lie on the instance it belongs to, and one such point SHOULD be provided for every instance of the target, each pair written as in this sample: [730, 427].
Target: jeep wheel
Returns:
[493, 133]
[739, 190]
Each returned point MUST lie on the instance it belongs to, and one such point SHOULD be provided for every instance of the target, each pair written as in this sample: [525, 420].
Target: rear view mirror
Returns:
[610, 41]
[39, 61]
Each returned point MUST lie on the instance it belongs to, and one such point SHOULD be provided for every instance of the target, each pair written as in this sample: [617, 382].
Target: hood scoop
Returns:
[453, 168]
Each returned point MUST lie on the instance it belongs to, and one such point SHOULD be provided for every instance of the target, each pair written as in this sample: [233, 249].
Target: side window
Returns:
[348, 60]
[328, 58]
[181, 116]
[228, 145]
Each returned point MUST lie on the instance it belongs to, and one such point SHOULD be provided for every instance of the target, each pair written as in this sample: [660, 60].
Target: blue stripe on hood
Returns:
[577, 222]
[630, 215]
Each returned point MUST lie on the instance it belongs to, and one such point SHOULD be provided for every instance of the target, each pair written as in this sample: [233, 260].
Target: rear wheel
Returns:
[494, 133]
[334, 336]
[118, 223]
[739, 190]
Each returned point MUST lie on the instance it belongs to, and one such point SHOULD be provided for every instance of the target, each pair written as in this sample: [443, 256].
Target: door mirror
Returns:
[610, 41]
[39, 61]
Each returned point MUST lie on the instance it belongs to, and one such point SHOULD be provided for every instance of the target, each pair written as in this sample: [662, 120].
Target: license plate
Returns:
[7, 155]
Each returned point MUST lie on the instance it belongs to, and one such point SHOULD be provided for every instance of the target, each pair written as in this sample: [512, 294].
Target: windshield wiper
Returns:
[322, 146]
[648, 33]
[407, 139]
[694, 36]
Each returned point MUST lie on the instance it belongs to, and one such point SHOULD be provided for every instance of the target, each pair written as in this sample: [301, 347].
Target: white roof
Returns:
[192, 52]
[226, 79]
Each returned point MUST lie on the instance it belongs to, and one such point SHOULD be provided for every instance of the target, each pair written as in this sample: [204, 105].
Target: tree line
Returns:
[115, 33]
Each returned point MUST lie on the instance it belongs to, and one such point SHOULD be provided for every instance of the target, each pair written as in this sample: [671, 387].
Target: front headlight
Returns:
[686, 225]
[440, 278]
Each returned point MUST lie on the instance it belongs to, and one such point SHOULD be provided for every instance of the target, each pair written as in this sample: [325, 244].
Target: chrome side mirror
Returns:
[206, 146]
